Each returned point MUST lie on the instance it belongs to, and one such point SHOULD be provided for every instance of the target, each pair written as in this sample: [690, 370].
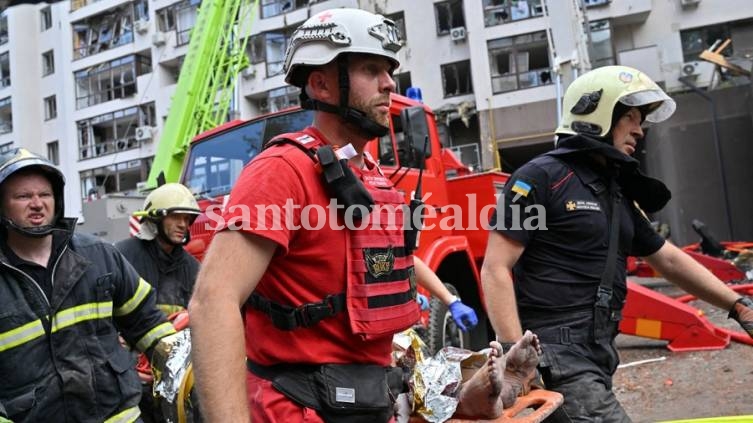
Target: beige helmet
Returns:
[591, 99]
[330, 33]
[166, 199]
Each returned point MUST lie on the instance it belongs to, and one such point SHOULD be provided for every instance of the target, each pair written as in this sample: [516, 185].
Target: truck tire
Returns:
[443, 332]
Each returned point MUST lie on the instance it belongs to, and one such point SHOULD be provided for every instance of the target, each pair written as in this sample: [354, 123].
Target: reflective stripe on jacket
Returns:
[60, 357]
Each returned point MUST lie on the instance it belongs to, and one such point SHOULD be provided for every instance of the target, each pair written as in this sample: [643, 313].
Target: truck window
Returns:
[214, 164]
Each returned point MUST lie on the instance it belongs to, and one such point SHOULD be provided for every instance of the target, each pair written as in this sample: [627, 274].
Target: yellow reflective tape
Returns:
[21, 335]
[169, 309]
[141, 293]
[81, 313]
[128, 415]
[158, 332]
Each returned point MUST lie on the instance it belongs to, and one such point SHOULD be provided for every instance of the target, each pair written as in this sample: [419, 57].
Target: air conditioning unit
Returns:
[686, 3]
[159, 38]
[248, 73]
[144, 133]
[700, 71]
[141, 26]
[457, 34]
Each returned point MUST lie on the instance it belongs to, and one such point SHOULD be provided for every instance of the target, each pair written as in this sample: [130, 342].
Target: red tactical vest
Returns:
[381, 286]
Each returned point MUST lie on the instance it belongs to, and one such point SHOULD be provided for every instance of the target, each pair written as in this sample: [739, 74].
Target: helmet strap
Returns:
[32, 231]
[368, 127]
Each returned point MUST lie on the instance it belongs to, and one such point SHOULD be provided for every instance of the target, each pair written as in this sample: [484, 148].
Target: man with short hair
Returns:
[64, 298]
[570, 279]
[319, 306]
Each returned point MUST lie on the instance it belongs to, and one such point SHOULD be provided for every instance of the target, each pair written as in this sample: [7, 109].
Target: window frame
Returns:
[514, 49]
[454, 65]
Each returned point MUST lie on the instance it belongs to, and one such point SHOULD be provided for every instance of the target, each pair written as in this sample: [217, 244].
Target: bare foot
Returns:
[520, 368]
[480, 396]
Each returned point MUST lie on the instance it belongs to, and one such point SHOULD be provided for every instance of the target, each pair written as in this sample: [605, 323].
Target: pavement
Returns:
[661, 385]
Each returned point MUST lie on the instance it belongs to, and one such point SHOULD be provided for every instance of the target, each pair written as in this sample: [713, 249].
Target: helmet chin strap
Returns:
[30, 231]
[368, 127]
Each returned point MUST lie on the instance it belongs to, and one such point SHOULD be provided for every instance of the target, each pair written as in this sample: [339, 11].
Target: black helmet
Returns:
[22, 159]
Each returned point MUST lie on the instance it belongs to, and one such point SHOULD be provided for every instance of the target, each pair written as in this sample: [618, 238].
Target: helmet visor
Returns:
[661, 105]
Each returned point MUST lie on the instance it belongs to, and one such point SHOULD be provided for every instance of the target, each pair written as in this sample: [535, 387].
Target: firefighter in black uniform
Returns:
[555, 234]
[64, 298]
[157, 253]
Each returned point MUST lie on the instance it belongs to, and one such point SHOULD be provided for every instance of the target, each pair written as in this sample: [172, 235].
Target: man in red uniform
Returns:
[325, 279]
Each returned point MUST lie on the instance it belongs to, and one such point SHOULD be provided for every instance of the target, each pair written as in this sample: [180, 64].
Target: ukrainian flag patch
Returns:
[521, 188]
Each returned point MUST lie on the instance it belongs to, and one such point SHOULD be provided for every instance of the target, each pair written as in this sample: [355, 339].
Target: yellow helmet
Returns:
[591, 99]
[166, 199]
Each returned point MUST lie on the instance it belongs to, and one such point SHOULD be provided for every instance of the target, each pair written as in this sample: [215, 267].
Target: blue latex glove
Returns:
[463, 315]
[422, 301]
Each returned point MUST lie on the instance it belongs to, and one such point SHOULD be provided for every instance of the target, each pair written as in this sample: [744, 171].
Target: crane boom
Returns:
[216, 54]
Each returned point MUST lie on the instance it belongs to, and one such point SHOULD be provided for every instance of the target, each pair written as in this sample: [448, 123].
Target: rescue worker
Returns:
[570, 282]
[157, 254]
[64, 297]
[322, 301]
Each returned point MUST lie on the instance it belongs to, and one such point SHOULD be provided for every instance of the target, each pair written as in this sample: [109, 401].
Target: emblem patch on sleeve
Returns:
[379, 261]
[573, 205]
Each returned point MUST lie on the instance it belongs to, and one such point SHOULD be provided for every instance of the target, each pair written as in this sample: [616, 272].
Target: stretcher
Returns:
[531, 408]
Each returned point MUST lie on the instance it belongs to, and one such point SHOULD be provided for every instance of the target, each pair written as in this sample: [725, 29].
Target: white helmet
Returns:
[326, 35]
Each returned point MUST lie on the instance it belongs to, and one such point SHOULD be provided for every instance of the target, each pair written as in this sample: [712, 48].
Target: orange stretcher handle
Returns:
[542, 402]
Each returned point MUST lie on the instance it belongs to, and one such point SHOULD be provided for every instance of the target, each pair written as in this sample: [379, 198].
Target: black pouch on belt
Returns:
[354, 393]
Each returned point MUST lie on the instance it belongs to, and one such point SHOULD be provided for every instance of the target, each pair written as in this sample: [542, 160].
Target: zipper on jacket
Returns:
[46, 300]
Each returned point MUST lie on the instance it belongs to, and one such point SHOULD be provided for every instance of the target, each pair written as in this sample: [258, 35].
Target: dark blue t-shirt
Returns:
[559, 211]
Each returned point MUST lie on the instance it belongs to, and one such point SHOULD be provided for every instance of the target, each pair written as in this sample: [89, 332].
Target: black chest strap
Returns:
[289, 318]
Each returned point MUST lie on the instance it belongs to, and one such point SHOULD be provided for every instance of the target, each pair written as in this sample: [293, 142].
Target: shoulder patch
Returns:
[521, 188]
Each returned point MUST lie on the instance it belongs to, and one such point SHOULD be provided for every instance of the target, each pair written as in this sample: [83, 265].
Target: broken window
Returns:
[276, 43]
[110, 80]
[102, 32]
[255, 49]
[50, 107]
[278, 99]
[48, 63]
[402, 82]
[141, 10]
[6, 116]
[497, 12]
[600, 48]
[45, 17]
[53, 153]
[4, 70]
[118, 178]
[113, 132]
[519, 62]
[271, 8]
[456, 78]
[449, 14]
[3, 29]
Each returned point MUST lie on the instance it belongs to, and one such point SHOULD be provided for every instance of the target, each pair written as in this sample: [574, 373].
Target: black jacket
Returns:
[172, 275]
[60, 358]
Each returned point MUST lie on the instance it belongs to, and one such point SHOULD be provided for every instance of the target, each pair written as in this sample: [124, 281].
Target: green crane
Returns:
[216, 54]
